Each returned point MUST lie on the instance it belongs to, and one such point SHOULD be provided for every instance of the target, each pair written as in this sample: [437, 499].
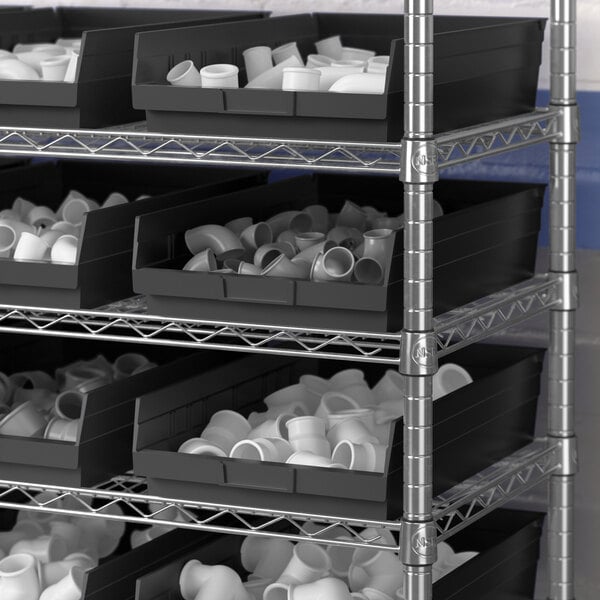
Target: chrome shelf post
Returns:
[419, 348]
[561, 392]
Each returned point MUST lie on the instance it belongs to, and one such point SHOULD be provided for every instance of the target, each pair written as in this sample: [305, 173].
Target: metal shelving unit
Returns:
[417, 160]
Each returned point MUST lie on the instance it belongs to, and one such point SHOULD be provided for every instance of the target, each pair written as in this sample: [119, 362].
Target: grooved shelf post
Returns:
[417, 161]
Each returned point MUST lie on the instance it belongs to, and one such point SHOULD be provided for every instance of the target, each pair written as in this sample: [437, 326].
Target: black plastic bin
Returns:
[116, 576]
[12, 161]
[473, 428]
[13, 8]
[103, 270]
[485, 68]
[103, 446]
[486, 241]
[101, 93]
[508, 542]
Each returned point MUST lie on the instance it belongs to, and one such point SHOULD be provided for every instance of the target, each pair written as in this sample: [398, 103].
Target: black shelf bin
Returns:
[103, 270]
[12, 161]
[14, 8]
[487, 241]
[485, 68]
[508, 542]
[474, 427]
[101, 93]
[116, 577]
[103, 446]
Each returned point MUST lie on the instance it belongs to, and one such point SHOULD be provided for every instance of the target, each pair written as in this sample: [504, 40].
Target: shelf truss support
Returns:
[494, 487]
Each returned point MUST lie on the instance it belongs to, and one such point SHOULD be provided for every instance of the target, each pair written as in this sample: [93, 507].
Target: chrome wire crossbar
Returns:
[129, 321]
[494, 487]
[453, 510]
[482, 318]
[490, 139]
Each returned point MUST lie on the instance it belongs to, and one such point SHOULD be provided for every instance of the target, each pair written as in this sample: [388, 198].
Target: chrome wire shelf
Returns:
[128, 321]
[453, 511]
[134, 142]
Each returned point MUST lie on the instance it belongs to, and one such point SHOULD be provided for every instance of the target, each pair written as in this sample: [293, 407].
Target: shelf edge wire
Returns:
[82, 499]
[206, 346]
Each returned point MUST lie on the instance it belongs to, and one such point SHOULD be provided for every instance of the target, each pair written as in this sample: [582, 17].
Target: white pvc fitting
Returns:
[449, 378]
[357, 54]
[46, 548]
[204, 261]
[314, 61]
[69, 405]
[368, 271]
[201, 446]
[222, 241]
[30, 247]
[238, 225]
[126, 364]
[310, 562]
[55, 68]
[331, 47]
[334, 402]
[220, 76]
[360, 83]
[184, 74]
[256, 235]
[74, 208]
[300, 79]
[378, 64]
[273, 78]
[24, 420]
[68, 588]
[71, 72]
[41, 216]
[19, 577]
[257, 60]
[352, 430]
[282, 53]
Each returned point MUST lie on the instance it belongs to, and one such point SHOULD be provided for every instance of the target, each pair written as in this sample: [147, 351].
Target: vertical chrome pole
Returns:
[419, 346]
[561, 423]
